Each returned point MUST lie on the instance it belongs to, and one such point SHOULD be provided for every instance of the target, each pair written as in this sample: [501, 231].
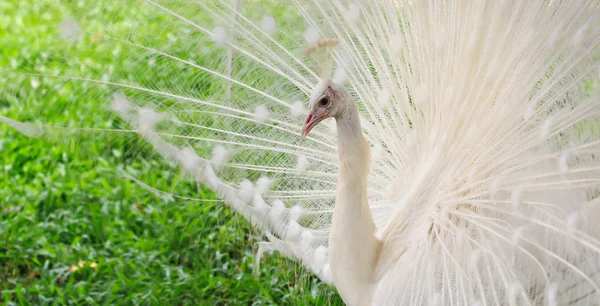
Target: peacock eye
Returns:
[324, 101]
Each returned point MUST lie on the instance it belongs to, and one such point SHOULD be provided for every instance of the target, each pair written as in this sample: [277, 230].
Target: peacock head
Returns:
[327, 100]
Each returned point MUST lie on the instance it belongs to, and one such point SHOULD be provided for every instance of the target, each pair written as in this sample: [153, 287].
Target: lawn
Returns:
[75, 229]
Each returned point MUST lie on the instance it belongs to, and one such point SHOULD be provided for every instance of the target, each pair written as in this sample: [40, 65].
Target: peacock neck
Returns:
[353, 245]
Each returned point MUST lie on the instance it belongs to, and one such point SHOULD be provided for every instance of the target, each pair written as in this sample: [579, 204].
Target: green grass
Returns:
[62, 202]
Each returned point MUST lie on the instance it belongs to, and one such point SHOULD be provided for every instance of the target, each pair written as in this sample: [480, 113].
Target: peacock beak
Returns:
[314, 117]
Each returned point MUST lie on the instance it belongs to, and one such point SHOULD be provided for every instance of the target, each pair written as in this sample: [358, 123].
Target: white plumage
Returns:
[302, 163]
[219, 35]
[481, 187]
[297, 109]
[147, 120]
[220, 156]
[311, 35]
[70, 30]
[261, 114]
[268, 25]
[246, 191]
[263, 184]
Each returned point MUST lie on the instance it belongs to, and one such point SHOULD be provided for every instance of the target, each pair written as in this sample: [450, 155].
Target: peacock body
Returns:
[459, 167]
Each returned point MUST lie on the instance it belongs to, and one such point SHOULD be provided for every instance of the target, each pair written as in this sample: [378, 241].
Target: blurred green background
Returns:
[74, 229]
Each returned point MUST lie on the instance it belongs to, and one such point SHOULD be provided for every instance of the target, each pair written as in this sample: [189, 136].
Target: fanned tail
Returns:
[493, 202]
[227, 110]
